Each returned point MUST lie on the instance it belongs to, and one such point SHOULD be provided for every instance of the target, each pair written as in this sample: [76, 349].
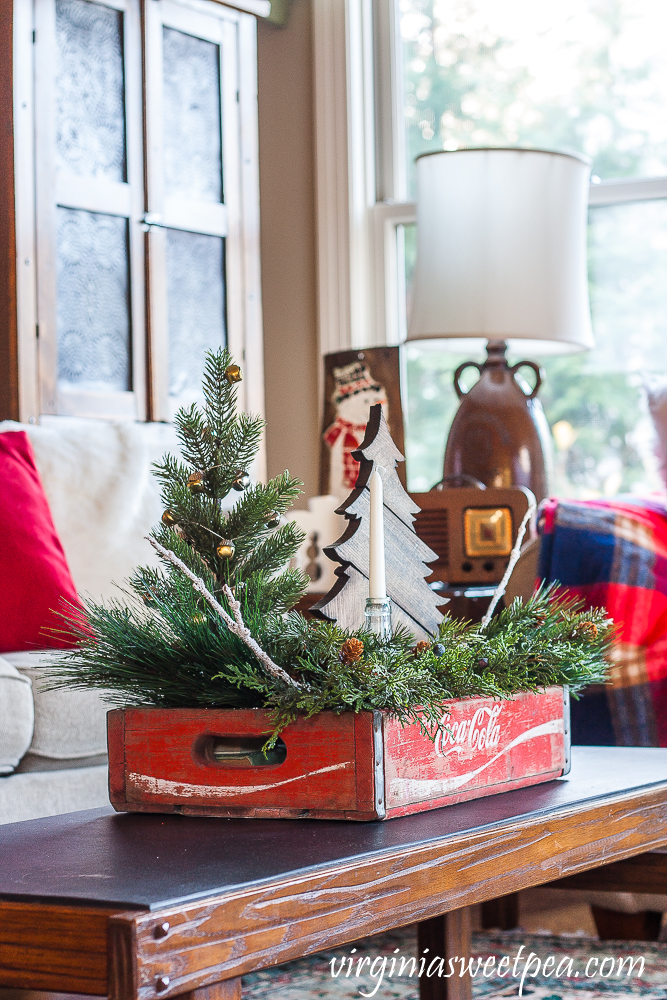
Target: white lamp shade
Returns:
[501, 249]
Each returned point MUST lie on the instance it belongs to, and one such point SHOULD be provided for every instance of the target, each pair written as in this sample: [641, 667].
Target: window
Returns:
[145, 219]
[589, 76]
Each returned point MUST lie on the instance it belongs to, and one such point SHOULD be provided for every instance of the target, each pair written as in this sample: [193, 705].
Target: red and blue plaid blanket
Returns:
[613, 553]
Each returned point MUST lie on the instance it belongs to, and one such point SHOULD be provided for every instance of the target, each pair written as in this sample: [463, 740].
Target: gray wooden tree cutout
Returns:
[414, 604]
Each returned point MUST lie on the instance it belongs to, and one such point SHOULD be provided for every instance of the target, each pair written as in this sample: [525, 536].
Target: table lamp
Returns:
[501, 256]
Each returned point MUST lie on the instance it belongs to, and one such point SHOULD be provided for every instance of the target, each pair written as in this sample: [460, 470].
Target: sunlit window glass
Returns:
[588, 75]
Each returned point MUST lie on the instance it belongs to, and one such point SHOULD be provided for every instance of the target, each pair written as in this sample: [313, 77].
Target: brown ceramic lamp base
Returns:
[499, 435]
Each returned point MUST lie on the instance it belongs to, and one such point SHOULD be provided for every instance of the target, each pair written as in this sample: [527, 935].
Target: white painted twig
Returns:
[514, 558]
[235, 624]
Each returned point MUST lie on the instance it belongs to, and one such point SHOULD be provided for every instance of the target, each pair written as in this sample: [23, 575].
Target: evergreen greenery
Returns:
[162, 644]
[220, 445]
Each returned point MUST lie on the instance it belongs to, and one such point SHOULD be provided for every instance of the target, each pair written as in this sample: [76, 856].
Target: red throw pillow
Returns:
[34, 575]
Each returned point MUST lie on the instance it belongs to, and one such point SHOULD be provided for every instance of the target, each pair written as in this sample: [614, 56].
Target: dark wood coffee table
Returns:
[144, 906]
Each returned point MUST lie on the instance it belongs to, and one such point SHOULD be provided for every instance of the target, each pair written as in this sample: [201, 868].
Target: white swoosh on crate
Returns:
[162, 786]
[412, 789]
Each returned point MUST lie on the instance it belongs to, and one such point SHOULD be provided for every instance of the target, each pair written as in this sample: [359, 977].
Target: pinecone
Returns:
[421, 647]
[540, 619]
[351, 650]
[586, 630]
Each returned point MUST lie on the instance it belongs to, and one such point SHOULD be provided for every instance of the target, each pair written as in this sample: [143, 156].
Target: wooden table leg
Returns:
[502, 912]
[448, 936]
[229, 989]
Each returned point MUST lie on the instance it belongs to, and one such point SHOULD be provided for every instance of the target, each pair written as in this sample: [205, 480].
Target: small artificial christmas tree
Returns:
[244, 547]
[166, 648]
[414, 604]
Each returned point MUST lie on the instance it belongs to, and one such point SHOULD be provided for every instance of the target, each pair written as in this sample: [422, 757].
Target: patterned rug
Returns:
[510, 964]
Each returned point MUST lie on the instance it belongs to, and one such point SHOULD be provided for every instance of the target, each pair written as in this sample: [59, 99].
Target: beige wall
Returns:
[289, 293]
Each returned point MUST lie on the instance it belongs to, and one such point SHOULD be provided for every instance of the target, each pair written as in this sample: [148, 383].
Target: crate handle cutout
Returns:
[238, 751]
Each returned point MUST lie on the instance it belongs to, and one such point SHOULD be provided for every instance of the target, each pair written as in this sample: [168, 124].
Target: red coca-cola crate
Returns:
[364, 766]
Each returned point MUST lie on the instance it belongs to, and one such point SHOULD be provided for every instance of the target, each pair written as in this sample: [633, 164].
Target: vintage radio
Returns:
[472, 530]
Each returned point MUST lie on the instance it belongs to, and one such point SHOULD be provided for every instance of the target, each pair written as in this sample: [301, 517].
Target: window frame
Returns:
[34, 201]
[358, 70]
[56, 188]
[165, 212]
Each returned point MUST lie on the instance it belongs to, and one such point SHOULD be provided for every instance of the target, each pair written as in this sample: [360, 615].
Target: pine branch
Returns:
[278, 593]
[250, 514]
[235, 624]
[196, 445]
[271, 553]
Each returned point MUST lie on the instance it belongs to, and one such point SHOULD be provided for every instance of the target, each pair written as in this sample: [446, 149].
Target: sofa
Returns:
[103, 499]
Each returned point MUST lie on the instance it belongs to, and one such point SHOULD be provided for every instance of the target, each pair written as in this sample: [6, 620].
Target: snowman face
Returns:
[355, 408]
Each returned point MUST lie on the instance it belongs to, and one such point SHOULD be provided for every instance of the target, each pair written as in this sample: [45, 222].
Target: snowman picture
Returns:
[354, 394]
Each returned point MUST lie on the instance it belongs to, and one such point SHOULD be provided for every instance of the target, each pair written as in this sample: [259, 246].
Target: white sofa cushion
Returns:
[69, 724]
[29, 796]
[16, 716]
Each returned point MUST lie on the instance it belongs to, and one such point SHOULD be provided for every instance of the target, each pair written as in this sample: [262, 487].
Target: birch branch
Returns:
[514, 558]
[235, 624]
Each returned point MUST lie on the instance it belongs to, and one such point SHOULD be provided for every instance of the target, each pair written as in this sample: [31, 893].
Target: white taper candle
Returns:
[377, 580]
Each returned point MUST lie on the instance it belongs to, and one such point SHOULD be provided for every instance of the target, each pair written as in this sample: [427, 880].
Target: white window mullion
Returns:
[390, 283]
[361, 157]
[249, 178]
[45, 250]
[134, 131]
[639, 189]
[231, 168]
[389, 105]
[24, 188]
[156, 238]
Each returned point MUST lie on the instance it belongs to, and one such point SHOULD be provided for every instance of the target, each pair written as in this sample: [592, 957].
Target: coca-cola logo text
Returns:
[481, 732]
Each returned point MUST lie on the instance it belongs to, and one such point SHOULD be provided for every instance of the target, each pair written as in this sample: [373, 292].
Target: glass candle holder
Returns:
[378, 616]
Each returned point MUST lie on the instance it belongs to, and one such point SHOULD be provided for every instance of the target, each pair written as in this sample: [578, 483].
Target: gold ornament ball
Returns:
[169, 519]
[197, 482]
[225, 550]
[241, 481]
[272, 520]
[233, 374]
